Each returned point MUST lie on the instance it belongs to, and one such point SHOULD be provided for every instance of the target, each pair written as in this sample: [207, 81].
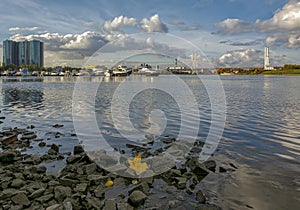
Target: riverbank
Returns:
[82, 184]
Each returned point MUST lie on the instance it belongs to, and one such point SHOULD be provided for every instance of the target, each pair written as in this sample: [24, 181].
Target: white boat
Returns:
[148, 71]
[119, 72]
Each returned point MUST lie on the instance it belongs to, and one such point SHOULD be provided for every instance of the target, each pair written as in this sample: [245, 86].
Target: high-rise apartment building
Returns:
[23, 53]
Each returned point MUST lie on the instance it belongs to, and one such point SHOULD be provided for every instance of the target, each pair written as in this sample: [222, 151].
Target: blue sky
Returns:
[229, 32]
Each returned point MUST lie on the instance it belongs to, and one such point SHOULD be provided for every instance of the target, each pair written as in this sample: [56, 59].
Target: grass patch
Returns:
[284, 71]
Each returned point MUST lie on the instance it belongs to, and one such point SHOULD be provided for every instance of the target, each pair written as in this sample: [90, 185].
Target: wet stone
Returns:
[200, 197]
[60, 193]
[110, 204]
[78, 149]
[20, 199]
[137, 198]
[17, 183]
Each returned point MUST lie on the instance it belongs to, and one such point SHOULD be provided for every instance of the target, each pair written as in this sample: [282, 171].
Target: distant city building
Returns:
[23, 53]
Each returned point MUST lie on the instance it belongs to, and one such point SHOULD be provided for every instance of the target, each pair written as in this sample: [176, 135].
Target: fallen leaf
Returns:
[137, 165]
[109, 183]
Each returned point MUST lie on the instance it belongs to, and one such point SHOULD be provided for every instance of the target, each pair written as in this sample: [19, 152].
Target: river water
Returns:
[260, 145]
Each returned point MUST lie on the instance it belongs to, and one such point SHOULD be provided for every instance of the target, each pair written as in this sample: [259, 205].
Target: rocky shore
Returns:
[82, 184]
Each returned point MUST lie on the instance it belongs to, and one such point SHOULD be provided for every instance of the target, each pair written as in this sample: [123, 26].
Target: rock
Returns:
[137, 198]
[210, 165]
[17, 207]
[17, 183]
[96, 179]
[200, 197]
[89, 169]
[52, 152]
[168, 140]
[222, 170]
[41, 169]
[81, 187]
[67, 205]
[144, 187]
[9, 139]
[180, 182]
[208, 207]
[45, 198]
[94, 203]
[7, 193]
[68, 182]
[37, 193]
[20, 199]
[42, 144]
[73, 159]
[28, 136]
[55, 207]
[7, 157]
[78, 149]
[110, 204]
[57, 126]
[60, 193]
[55, 147]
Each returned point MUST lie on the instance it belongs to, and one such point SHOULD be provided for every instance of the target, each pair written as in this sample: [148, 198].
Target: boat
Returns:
[121, 71]
[147, 71]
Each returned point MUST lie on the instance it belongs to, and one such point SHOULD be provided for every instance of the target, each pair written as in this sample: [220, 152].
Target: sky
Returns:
[228, 33]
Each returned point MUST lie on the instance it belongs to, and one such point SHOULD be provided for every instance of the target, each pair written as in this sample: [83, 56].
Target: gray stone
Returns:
[81, 187]
[96, 179]
[55, 147]
[68, 182]
[73, 159]
[18, 176]
[200, 197]
[41, 169]
[52, 152]
[90, 168]
[210, 165]
[45, 198]
[60, 193]
[208, 207]
[17, 207]
[55, 207]
[7, 193]
[94, 203]
[143, 186]
[124, 206]
[180, 182]
[67, 205]
[20, 199]
[17, 183]
[110, 204]
[37, 193]
[137, 198]
[7, 157]
[78, 149]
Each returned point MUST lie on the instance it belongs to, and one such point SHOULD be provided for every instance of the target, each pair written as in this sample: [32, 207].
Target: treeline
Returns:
[240, 70]
[291, 66]
[35, 68]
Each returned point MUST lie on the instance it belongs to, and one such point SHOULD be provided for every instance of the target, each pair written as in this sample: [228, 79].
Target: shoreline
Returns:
[82, 184]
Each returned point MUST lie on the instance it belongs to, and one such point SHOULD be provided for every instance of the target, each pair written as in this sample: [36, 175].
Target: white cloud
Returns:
[248, 58]
[153, 24]
[285, 19]
[243, 57]
[23, 29]
[233, 26]
[118, 22]
[287, 40]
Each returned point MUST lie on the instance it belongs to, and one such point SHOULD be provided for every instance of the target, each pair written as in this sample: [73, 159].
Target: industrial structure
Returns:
[267, 60]
[23, 53]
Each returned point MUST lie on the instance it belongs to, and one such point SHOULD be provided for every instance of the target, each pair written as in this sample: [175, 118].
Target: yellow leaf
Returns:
[137, 165]
[109, 183]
